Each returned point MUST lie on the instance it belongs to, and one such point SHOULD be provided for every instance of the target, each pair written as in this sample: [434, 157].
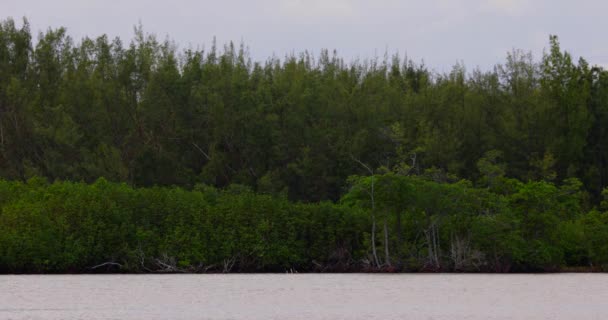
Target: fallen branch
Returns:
[106, 264]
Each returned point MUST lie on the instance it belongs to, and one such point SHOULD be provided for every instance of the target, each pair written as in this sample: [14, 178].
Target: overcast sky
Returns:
[441, 32]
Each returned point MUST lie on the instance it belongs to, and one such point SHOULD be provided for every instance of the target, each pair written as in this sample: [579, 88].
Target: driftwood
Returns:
[115, 264]
[167, 264]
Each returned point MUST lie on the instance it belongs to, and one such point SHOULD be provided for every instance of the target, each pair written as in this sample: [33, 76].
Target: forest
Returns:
[141, 157]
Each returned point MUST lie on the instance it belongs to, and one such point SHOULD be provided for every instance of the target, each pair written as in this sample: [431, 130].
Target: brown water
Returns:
[300, 296]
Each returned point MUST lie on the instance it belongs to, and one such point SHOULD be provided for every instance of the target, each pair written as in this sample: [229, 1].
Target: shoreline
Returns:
[582, 270]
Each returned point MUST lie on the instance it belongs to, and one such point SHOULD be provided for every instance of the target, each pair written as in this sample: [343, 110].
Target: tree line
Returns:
[147, 114]
[402, 223]
[393, 164]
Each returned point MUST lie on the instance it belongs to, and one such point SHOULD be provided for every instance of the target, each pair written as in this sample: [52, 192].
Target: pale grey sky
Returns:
[441, 32]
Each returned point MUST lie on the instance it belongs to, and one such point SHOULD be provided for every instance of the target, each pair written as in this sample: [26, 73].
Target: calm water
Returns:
[299, 296]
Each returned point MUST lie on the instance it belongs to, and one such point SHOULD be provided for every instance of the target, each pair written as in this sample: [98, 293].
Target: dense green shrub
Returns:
[420, 224]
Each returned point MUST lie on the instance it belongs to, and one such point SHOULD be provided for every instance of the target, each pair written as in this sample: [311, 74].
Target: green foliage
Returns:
[147, 114]
[517, 226]
[74, 227]
[68, 226]
[206, 160]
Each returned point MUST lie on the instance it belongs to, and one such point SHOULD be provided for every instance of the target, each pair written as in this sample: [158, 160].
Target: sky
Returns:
[478, 33]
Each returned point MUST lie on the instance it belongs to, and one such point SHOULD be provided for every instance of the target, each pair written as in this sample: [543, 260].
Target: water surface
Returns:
[305, 296]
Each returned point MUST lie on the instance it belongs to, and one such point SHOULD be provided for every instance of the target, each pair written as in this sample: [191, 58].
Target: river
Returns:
[305, 296]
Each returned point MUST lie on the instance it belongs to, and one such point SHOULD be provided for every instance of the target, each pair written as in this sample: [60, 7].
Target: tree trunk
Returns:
[433, 246]
[399, 239]
[373, 200]
[374, 253]
[387, 258]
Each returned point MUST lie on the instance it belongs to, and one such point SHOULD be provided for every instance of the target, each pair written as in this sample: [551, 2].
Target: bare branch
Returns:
[201, 150]
[362, 164]
[106, 264]
[228, 264]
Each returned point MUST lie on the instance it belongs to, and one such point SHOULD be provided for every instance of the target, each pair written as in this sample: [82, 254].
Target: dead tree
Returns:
[373, 202]
[228, 264]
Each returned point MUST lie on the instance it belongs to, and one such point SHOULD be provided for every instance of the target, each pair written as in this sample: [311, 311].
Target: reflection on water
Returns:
[305, 296]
